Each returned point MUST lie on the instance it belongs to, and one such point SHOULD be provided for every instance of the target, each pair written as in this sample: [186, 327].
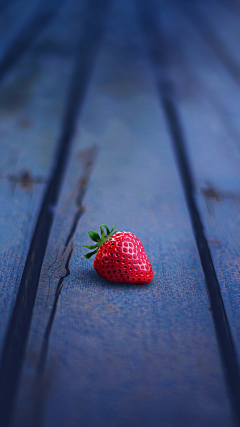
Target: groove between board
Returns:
[18, 329]
[223, 332]
[157, 55]
[24, 38]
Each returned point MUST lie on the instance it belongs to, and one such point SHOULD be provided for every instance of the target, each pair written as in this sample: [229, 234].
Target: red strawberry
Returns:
[120, 257]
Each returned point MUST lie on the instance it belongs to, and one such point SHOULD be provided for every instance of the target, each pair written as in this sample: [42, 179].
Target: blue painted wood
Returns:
[12, 19]
[209, 104]
[224, 24]
[215, 38]
[194, 67]
[118, 354]
[32, 100]
[233, 5]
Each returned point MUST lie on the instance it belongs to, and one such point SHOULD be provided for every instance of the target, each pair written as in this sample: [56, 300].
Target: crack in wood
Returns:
[45, 345]
[90, 155]
[20, 321]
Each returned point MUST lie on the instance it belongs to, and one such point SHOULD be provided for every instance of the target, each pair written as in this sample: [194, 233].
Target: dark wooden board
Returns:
[233, 5]
[12, 18]
[224, 25]
[195, 67]
[117, 354]
[209, 100]
[32, 100]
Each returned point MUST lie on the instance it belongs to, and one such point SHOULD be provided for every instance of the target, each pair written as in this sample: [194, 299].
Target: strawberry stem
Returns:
[100, 240]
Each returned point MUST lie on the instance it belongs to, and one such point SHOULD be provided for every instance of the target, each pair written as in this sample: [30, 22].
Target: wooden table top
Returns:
[123, 111]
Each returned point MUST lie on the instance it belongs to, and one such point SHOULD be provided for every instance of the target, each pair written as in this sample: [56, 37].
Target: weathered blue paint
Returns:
[30, 124]
[224, 26]
[31, 108]
[119, 354]
[25, 35]
[210, 113]
[11, 19]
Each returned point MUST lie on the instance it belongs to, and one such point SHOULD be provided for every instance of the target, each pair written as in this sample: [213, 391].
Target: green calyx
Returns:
[99, 240]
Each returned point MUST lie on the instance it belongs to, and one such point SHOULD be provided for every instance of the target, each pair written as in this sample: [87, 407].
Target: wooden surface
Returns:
[12, 18]
[93, 352]
[210, 116]
[31, 108]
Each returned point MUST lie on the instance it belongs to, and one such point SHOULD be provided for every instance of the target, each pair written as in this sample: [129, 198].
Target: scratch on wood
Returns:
[215, 242]
[26, 179]
[211, 194]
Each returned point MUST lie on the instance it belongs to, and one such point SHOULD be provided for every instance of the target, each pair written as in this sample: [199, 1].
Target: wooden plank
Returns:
[213, 146]
[26, 32]
[31, 107]
[16, 19]
[12, 18]
[17, 332]
[158, 56]
[203, 71]
[221, 37]
[3, 5]
[215, 159]
[232, 5]
[119, 354]
[224, 23]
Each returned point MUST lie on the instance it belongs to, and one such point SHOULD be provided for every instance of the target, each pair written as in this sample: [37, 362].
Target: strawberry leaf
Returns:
[107, 229]
[102, 233]
[87, 256]
[94, 236]
[113, 228]
[90, 246]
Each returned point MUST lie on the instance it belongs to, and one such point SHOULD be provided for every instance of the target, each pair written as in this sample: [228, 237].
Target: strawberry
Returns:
[120, 257]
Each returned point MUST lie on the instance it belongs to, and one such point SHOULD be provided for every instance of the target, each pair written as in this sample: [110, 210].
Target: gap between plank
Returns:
[157, 55]
[24, 38]
[19, 324]
[223, 331]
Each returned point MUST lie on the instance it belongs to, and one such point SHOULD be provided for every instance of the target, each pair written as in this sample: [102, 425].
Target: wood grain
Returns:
[19, 324]
[213, 144]
[31, 108]
[118, 354]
